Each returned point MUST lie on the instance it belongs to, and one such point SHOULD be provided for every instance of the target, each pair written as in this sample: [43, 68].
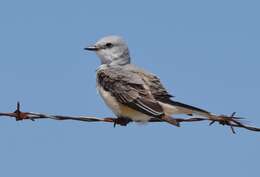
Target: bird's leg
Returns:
[122, 121]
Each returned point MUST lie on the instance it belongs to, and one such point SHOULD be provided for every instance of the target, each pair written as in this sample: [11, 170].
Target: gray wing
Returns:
[153, 82]
[159, 92]
[129, 89]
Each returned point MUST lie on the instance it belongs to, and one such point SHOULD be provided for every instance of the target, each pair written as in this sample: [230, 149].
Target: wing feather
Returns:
[160, 93]
[129, 89]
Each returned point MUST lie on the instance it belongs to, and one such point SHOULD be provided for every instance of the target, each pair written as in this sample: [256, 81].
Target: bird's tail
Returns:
[181, 108]
[174, 107]
[194, 111]
[188, 109]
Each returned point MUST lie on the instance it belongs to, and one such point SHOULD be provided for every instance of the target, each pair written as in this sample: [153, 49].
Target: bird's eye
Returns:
[109, 45]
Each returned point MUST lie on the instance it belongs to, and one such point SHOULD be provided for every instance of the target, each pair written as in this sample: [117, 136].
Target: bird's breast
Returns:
[119, 109]
[110, 101]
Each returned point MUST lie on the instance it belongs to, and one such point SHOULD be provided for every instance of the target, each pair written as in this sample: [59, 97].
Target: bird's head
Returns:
[111, 50]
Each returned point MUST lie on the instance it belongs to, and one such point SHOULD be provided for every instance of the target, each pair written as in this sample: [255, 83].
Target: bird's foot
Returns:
[121, 121]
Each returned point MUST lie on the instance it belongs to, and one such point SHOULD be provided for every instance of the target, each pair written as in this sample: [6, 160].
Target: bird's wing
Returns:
[157, 89]
[161, 94]
[153, 82]
[129, 89]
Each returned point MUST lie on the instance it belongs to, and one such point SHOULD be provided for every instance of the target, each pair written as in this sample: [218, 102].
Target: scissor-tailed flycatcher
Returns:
[134, 94]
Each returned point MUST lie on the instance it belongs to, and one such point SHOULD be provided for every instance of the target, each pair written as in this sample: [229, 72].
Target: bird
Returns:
[132, 93]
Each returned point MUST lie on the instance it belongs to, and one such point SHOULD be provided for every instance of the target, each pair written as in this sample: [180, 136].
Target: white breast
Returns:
[120, 109]
[109, 100]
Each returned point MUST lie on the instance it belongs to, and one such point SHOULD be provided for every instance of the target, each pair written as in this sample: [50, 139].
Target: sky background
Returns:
[205, 52]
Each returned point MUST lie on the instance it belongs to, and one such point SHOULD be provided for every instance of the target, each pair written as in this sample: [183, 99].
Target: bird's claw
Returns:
[121, 121]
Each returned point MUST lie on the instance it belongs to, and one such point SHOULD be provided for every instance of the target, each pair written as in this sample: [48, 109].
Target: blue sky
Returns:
[205, 52]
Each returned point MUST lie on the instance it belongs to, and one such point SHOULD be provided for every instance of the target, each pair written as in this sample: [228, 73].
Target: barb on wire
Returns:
[230, 121]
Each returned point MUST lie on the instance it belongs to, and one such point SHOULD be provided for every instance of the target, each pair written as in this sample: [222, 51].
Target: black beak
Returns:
[91, 48]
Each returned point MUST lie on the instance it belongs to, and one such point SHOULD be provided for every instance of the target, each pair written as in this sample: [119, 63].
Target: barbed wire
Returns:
[230, 121]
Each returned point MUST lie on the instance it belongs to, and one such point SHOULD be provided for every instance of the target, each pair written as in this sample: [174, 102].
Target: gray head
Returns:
[111, 50]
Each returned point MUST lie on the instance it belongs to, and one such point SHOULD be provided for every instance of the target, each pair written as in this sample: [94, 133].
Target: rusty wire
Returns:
[230, 121]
